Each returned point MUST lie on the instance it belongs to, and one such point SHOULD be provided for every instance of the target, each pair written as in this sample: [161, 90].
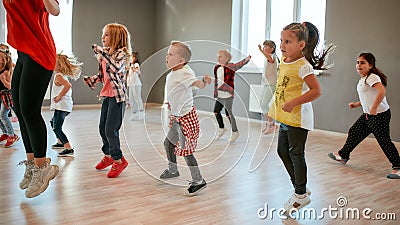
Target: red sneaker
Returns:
[11, 140]
[3, 137]
[117, 168]
[104, 163]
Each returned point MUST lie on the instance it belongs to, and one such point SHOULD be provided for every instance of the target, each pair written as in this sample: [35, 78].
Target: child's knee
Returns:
[168, 144]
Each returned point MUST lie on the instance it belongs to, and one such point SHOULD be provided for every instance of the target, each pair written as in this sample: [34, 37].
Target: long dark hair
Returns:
[371, 60]
[136, 54]
[309, 33]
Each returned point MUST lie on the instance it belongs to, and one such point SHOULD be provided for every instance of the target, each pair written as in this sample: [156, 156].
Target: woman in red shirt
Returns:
[29, 33]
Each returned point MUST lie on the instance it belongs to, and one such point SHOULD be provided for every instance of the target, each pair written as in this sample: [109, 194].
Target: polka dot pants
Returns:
[377, 125]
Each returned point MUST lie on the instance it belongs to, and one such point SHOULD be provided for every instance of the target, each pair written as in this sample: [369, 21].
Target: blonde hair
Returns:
[69, 66]
[6, 55]
[226, 53]
[183, 50]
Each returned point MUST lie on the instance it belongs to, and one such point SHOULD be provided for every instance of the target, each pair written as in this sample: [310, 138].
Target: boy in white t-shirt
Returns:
[184, 125]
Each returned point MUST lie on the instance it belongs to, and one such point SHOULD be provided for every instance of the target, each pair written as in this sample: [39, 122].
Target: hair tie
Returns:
[304, 24]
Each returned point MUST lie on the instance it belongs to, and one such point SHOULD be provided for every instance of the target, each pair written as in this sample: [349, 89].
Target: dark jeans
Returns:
[227, 104]
[28, 87]
[291, 146]
[112, 113]
[377, 125]
[57, 122]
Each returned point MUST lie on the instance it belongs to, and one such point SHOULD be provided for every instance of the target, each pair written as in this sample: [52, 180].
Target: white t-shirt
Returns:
[65, 103]
[367, 94]
[179, 90]
[270, 72]
[221, 77]
[133, 76]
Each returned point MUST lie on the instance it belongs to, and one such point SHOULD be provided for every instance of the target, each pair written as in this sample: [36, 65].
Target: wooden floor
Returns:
[242, 178]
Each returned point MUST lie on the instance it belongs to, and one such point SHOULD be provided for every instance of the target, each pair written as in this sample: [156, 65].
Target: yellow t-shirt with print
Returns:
[290, 85]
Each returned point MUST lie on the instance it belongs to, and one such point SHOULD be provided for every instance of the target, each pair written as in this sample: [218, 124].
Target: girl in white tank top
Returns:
[61, 99]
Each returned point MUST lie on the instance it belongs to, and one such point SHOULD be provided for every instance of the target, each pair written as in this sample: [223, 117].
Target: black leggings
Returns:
[377, 125]
[28, 87]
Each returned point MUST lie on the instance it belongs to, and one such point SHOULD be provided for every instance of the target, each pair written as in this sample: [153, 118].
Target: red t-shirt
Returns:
[29, 32]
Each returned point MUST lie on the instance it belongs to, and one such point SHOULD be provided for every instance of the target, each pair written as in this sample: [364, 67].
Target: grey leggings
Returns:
[174, 135]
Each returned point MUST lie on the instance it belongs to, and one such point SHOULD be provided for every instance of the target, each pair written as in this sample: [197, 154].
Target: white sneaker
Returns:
[234, 136]
[296, 202]
[41, 176]
[221, 132]
[28, 173]
[134, 116]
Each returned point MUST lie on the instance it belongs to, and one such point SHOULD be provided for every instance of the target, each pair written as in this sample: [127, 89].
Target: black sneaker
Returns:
[166, 174]
[66, 152]
[195, 188]
[57, 146]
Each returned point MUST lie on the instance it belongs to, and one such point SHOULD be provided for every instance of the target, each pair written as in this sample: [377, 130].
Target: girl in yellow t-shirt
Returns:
[296, 87]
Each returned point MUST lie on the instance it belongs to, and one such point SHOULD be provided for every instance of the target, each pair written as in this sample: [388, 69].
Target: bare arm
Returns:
[381, 94]
[270, 59]
[353, 105]
[202, 83]
[66, 86]
[5, 78]
[313, 93]
[52, 7]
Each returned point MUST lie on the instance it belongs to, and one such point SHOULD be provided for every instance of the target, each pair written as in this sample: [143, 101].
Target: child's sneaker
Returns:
[394, 175]
[11, 140]
[195, 188]
[234, 136]
[117, 168]
[296, 202]
[308, 192]
[57, 146]
[3, 137]
[66, 152]
[104, 163]
[221, 132]
[41, 176]
[166, 174]
[337, 158]
[28, 173]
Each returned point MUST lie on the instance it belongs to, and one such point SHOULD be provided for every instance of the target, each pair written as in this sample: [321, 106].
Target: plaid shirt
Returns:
[191, 128]
[229, 77]
[116, 69]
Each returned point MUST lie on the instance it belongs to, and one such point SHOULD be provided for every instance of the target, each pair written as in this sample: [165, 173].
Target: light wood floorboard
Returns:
[236, 189]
